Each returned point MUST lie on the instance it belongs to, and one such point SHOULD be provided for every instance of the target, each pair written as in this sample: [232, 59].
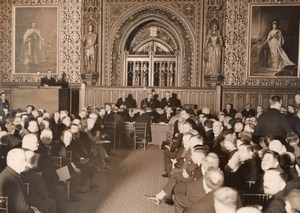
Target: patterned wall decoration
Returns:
[69, 39]
[235, 64]
[121, 16]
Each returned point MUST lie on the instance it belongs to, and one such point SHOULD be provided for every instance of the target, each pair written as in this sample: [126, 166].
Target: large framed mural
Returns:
[35, 39]
[273, 40]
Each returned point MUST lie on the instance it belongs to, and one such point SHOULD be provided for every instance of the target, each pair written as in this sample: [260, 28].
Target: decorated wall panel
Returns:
[69, 40]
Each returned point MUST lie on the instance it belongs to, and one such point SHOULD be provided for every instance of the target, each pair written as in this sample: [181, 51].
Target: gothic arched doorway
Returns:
[152, 47]
[151, 57]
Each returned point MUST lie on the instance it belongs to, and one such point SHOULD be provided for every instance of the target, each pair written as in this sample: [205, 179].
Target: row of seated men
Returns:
[216, 168]
[29, 143]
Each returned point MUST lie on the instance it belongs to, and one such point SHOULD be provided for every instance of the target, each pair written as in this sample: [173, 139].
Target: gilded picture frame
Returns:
[35, 39]
[273, 41]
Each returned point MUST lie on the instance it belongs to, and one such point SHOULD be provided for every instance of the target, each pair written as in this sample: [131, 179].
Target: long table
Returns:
[159, 132]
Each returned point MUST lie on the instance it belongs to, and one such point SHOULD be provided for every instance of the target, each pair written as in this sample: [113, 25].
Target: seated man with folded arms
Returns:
[187, 195]
[11, 184]
[172, 151]
[193, 169]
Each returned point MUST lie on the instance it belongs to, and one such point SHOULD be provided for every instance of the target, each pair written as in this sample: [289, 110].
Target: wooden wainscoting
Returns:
[202, 97]
[239, 96]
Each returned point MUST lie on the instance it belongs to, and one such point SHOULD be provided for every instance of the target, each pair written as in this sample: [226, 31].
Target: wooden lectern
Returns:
[51, 98]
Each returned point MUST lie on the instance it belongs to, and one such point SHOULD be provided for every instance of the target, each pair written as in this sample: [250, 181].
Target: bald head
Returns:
[16, 160]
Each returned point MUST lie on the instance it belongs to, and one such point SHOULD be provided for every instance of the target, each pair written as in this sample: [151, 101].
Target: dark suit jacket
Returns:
[130, 103]
[146, 104]
[205, 204]
[46, 166]
[38, 193]
[231, 112]
[164, 118]
[49, 82]
[164, 102]
[12, 186]
[120, 102]
[250, 113]
[272, 123]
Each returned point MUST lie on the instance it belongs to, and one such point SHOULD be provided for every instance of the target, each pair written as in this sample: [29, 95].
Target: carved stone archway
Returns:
[161, 16]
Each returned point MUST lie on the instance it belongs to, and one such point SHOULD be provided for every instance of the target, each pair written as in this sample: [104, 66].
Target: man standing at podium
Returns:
[48, 80]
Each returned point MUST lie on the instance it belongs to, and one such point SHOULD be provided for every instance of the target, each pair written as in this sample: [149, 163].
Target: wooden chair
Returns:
[3, 204]
[57, 162]
[255, 199]
[111, 131]
[69, 155]
[140, 134]
[27, 187]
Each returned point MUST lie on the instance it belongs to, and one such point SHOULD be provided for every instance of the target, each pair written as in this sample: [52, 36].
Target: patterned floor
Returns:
[122, 189]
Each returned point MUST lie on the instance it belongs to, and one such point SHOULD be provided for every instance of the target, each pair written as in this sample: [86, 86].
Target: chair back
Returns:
[255, 199]
[69, 155]
[3, 204]
[111, 131]
[57, 161]
[27, 187]
[140, 130]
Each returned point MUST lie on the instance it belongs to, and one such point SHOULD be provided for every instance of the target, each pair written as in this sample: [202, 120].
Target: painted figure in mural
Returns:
[277, 58]
[213, 51]
[32, 49]
[90, 48]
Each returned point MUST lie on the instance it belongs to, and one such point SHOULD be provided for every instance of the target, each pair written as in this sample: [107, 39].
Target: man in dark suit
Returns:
[121, 101]
[56, 188]
[48, 80]
[4, 104]
[166, 116]
[165, 101]
[11, 184]
[248, 111]
[272, 122]
[147, 102]
[229, 111]
[38, 193]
